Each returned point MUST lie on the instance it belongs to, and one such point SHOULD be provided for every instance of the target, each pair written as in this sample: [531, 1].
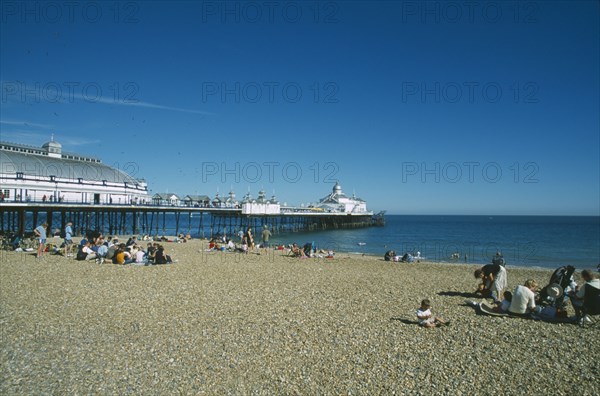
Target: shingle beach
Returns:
[228, 323]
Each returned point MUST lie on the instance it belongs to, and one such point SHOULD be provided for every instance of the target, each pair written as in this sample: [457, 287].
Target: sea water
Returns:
[531, 241]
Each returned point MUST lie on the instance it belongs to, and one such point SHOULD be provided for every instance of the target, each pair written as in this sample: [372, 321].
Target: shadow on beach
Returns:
[458, 294]
[406, 321]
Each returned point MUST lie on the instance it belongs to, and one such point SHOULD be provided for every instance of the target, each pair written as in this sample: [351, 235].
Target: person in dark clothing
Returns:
[160, 257]
[499, 259]
[494, 281]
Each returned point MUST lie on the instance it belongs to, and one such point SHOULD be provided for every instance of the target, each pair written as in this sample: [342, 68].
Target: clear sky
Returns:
[418, 107]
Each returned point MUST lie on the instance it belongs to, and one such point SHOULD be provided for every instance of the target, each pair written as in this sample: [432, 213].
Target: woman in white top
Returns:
[523, 299]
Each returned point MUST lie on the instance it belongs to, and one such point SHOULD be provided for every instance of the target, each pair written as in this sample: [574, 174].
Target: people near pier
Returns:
[119, 257]
[110, 241]
[265, 236]
[131, 241]
[523, 299]
[244, 245]
[308, 249]
[68, 239]
[128, 255]
[92, 236]
[85, 252]
[111, 252]
[40, 232]
[230, 245]
[113, 245]
[214, 244]
[426, 318]
[250, 239]
[296, 251]
[100, 241]
[493, 281]
[389, 255]
[161, 257]
[101, 253]
[133, 249]
[122, 256]
[141, 257]
[101, 249]
[150, 252]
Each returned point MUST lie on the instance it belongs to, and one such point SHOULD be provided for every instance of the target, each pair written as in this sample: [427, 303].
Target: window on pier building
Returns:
[19, 175]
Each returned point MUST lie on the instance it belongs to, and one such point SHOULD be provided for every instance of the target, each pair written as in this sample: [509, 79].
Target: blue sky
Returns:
[418, 107]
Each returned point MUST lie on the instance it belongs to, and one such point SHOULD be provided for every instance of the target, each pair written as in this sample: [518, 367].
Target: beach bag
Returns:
[81, 255]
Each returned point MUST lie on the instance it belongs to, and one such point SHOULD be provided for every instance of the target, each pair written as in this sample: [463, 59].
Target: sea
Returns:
[526, 241]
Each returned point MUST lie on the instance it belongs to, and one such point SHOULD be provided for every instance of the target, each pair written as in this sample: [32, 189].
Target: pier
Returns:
[48, 184]
[22, 218]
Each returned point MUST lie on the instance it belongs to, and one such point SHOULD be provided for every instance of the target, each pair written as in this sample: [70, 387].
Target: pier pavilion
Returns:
[49, 174]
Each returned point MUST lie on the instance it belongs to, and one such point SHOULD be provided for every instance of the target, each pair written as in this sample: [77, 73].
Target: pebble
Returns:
[226, 324]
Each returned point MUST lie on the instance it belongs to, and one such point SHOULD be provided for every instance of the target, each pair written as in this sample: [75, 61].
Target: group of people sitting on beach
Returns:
[494, 281]
[121, 253]
[247, 245]
[411, 257]
[528, 301]
[94, 246]
[309, 250]
[246, 242]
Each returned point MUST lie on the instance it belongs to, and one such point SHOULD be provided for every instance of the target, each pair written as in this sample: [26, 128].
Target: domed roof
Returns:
[12, 162]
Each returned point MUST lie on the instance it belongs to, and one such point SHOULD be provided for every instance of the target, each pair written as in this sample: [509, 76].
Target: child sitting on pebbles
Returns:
[426, 318]
[505, 304]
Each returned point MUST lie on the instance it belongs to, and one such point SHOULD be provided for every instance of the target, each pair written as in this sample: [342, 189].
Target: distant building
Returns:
[337, 201]
[166, 199]
[217, 202]
[196, 200]
[260, 205]
[231, 201]
[49, 174]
